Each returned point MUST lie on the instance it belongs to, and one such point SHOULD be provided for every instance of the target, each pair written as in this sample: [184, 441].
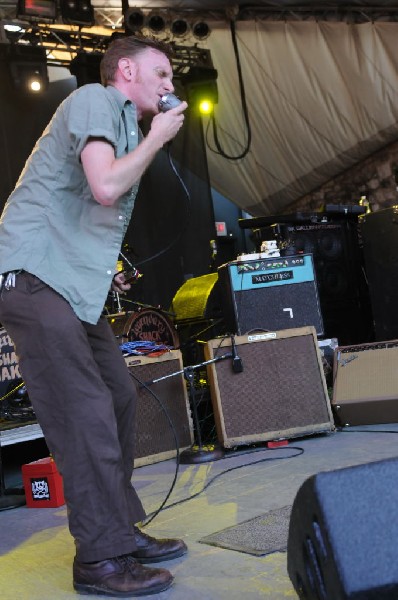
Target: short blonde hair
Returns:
[128, 46]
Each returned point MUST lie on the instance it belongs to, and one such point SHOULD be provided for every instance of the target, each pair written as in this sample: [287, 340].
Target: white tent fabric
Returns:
[321, 96]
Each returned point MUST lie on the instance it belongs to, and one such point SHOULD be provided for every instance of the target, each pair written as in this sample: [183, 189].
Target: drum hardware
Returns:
[15, 404]
[146, 324]
[141, 305]
[194, 338]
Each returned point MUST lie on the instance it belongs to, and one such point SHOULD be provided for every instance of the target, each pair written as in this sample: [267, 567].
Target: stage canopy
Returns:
[318, 92]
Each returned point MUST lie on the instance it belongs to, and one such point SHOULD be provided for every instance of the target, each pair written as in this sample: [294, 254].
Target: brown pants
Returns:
[85, 400]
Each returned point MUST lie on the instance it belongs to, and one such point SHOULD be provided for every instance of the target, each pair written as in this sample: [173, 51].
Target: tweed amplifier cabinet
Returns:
[280, 392]
[366, 383]
[154, 437]
[270, 294]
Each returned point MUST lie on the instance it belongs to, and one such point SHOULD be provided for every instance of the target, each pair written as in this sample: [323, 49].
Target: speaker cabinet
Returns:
[339, 267]
[270, 294]
[343, 534]
[154, 435]
[280, 393]
[380, 245]
[365, 387]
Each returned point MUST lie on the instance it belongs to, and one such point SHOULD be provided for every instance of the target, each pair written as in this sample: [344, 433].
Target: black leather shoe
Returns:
[120, 577]
[151, 550]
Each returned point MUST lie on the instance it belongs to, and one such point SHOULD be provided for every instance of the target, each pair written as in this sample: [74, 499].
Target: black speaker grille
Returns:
[347, 517]
[342, 286]
[268, 308]
[379, 232]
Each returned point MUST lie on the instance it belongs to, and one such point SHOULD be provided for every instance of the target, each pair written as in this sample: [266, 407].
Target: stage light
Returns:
[43, 10]
[77, 12]
[13, 27]
[28, 68]
[201, 30]
[206, 106]
[201, 88]
[35, 83]
[156, 22]
[134, 20]
[179, 27]
[86, 68]
[12, 30]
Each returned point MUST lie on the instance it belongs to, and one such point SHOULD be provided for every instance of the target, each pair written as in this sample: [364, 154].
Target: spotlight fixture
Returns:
[134, 20]
[201, 87]
[77, 12]
[45, 10]
[179, 27]
[200, 30]
[86, 68]
[28, 68]
[156, 22]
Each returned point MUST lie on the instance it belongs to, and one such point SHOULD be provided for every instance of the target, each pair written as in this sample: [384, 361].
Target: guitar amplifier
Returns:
[280, 392]
[270, 294]
[365, 388]
[155, 439]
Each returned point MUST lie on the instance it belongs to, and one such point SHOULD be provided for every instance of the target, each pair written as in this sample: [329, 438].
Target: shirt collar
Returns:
[119, 97]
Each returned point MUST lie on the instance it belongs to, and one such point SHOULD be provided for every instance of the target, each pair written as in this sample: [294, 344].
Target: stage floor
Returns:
[36, 550]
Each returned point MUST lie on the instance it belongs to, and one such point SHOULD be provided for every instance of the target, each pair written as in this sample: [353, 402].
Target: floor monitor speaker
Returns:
[343, 534]
[155, 440]
[279, 393]
[365, 389]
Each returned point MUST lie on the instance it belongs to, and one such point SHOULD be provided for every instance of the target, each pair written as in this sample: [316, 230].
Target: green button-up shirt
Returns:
[52, 226]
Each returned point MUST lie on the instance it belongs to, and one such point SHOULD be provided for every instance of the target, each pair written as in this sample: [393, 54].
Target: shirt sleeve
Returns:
[91, 113]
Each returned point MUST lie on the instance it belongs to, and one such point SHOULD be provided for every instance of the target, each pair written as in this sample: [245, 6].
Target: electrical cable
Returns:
[156, 397]
[151, 516]
[244, 106]
[185, 224]
[299, 453]
[343, 430]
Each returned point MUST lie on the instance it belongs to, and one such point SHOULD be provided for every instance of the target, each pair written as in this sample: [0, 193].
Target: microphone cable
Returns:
[237, 364]
[167, 102]
[299, 452]
[173, 430]
[187, 215]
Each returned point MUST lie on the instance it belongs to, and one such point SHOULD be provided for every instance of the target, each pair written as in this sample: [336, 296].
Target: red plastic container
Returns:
[43, 484]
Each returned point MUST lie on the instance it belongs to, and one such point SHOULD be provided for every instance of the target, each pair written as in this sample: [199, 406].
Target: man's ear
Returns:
[127, 68]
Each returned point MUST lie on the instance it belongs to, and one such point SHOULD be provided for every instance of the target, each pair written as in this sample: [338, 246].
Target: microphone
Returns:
[237, 364]
[167, 102]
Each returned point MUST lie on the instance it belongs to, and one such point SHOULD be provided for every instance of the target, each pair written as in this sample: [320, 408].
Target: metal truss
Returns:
[63, 43]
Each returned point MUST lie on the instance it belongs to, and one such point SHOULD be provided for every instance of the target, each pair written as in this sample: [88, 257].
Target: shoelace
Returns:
[126, 561]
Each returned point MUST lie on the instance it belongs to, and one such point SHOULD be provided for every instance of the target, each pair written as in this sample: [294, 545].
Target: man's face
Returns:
[153, 75]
